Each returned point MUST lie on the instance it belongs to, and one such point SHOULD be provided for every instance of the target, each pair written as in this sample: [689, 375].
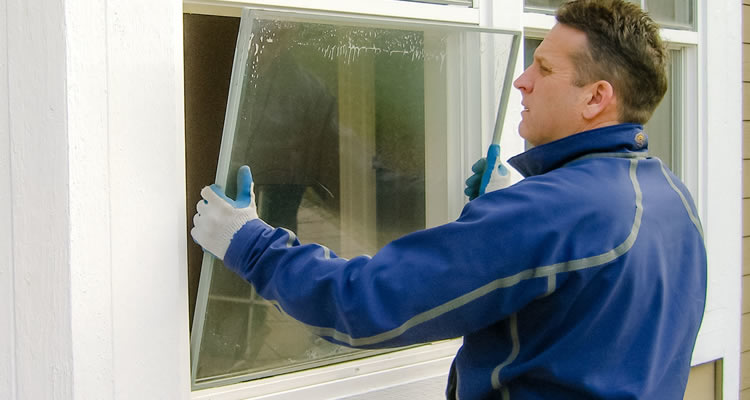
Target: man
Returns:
[585, 280]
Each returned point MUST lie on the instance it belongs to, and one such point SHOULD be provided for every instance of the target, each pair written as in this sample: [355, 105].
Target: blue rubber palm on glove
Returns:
[219, 217]
[489, 174]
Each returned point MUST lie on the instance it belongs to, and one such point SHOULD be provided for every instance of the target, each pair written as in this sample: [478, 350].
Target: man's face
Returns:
[553, 105]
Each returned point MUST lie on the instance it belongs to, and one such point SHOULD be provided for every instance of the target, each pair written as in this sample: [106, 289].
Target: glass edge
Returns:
[222, 170]
[239, 64]
[199, 317]
[371, 21]
[507, 83]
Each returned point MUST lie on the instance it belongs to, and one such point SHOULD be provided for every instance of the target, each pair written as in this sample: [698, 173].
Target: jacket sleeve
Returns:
[433, 284]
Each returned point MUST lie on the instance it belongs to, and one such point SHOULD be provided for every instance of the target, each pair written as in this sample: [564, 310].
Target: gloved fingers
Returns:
[479, 166]
[473, 181]
[244, 187]
[197, 234]
[199, 237]
[201, 207]
[214, 195]
[196, 220]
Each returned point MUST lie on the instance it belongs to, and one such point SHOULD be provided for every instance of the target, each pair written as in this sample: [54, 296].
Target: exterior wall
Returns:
[704, 382]
[93, 290]
[7, 298]
[36, 316]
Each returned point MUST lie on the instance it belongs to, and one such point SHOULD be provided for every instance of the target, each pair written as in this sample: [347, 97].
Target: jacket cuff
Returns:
[241, 247]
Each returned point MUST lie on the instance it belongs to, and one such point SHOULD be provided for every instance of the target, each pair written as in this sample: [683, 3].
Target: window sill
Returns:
[345, 379]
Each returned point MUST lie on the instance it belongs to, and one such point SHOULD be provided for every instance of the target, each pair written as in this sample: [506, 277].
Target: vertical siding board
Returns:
[36, 78]
[7, 318]
[701, 383]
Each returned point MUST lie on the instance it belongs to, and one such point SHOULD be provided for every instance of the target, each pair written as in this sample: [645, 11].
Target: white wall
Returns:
[92, 248]
[36, 189]
[90, 243]
[7, 319]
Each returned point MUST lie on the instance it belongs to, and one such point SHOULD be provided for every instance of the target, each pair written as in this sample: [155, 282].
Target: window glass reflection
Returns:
[672, 13]
[331, 122]
[342, 125]
[664, 129]
[544, 4]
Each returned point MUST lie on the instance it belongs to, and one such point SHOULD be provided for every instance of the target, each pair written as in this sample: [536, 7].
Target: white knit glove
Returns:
[219, 217]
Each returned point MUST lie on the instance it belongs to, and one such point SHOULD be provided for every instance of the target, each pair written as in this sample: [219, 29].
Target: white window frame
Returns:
[375, 8]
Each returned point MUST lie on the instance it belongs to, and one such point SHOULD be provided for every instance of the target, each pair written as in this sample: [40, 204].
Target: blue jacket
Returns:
[586, 280]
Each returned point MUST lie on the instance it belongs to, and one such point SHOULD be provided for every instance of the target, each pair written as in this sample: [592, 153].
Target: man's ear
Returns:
[600, 100]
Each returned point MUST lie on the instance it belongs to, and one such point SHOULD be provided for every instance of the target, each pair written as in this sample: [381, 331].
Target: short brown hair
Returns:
[624, 49]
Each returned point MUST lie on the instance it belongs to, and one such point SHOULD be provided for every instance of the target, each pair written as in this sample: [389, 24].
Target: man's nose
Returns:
[523, 83]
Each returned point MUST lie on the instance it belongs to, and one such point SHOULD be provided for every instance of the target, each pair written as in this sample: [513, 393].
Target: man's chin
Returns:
[523, 133]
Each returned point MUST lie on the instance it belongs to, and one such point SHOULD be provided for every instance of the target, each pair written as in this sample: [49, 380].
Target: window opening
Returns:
[349, 126]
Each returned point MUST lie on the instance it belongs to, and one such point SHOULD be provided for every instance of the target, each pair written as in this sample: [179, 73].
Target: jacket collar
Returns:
[610, 139]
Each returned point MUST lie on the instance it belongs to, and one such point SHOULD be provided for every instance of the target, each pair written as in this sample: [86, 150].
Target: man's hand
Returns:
[499, 176]
[219, 217]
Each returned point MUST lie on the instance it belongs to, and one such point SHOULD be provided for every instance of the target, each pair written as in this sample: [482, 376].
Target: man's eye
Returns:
[544, 69]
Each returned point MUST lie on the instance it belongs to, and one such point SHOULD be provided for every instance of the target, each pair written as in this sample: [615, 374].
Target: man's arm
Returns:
[433, 284]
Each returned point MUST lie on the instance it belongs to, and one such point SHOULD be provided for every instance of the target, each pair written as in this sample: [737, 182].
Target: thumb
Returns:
[244, 186]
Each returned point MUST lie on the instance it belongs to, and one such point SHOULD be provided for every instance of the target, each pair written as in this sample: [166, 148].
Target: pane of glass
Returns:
[668, 13]
[529, 47]
[664, 128]
[672, 13]
[342, 124]
[550, 5]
